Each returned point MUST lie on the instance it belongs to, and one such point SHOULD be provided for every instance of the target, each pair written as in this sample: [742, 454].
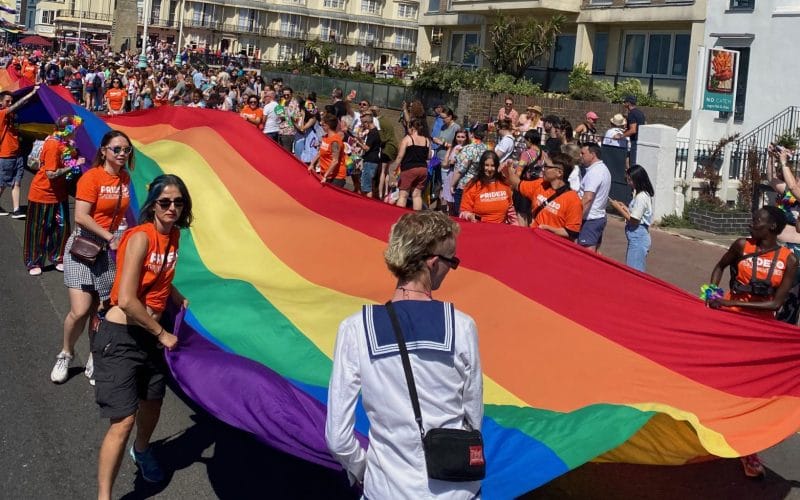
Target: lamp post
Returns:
[80, 25]
[178, 46]
[145, 18]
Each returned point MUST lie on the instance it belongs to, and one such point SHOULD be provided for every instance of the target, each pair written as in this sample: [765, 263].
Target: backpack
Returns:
[34, 157]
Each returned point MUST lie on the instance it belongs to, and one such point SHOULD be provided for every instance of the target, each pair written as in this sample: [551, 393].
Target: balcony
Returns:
[293, 34]
[519, 6]
[75, 16]
[157, 22]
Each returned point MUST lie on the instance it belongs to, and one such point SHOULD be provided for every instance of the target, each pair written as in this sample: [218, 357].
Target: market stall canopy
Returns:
[36, 41]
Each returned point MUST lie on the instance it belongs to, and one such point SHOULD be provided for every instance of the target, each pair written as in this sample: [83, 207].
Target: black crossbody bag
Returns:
[450, 454]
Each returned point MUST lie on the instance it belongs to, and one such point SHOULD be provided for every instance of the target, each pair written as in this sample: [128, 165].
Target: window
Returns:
[407, 10]
[404, 39]
[155, 12]
[330, 29]
[288, 51]
[334, 4]
[48, 16]
[433, 5]
[244, 16]
[371, 7]
[249, 19]
[364, 58]
[564, 52]
[600, 53]
[662, 54]
[367, 33]
[197, 12]
[296, 2]
[743, 4]
[290, 25]
[463, 48]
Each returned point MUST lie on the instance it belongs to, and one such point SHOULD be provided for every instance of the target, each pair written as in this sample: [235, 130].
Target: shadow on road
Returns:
[239, 466]
[717, 479]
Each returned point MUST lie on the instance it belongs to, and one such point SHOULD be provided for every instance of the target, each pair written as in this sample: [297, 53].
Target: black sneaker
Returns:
[18, 214]
[3, 211]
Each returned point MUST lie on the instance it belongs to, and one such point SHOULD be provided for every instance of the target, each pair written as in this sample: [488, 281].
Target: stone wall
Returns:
[482, 106]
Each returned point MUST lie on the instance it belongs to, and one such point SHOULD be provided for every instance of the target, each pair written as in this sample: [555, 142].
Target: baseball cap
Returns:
[591, 115]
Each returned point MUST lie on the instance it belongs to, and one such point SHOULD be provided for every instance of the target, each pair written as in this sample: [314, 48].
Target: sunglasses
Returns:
[453, 262]
[120, 149]
[165, 203]
[363, 104]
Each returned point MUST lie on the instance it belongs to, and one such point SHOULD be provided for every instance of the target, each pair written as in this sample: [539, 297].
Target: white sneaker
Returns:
[89, 369]
[61, 369]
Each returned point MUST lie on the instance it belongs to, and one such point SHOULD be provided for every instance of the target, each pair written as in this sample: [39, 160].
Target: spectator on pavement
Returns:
[638, 217]
[595, 186]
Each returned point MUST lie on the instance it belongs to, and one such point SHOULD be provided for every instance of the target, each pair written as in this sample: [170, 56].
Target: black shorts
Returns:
[129, 366]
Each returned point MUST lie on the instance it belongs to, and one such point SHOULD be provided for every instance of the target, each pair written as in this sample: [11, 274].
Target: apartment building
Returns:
[646, 39]
[378, 32]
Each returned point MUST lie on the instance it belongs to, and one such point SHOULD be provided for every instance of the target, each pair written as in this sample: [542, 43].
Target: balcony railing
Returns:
[66, 14]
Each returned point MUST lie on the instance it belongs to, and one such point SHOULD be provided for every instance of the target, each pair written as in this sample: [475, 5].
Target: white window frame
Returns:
[371, 7]
[364, 57]
[328, 25]
[407, 11]
[288, 51]
[244, 17]
[464, 48]
[291, 24]
[646, 53]
[334, 4]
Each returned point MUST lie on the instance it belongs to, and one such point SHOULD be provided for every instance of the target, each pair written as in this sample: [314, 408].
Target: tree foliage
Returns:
[517, 42]
[318, 54]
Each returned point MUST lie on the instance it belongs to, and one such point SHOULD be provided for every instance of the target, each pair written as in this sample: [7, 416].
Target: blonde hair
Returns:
[415, 237]
[573, 151]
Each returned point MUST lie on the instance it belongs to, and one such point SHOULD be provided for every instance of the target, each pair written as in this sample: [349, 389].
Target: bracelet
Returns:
[158, 335]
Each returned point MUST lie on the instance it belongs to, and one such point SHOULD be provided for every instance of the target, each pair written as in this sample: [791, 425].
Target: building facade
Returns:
[377, 32]
[650, 40]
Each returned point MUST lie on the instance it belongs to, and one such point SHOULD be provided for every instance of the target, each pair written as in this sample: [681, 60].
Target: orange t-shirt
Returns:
[29, 71]
[326, 156]
[254, 113]
[116, 98]
[489, 201]
[566, 211]
[44, 190]
[155, 284]
[101, 189]
[744, 270]
[9, 147]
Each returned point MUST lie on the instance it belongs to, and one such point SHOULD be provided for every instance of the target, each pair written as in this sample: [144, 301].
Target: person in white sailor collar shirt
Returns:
[442, 343]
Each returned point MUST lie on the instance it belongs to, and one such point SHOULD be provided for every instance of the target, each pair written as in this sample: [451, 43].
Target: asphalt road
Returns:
[49, 434]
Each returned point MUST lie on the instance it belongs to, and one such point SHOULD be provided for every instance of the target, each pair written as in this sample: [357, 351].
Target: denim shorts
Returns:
[368, 171]
[11, 171]
[591, 234]
[129, 366]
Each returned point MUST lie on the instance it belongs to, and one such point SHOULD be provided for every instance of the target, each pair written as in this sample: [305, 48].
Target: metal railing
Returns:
[759, 139]
[64, 14]
[702, 152]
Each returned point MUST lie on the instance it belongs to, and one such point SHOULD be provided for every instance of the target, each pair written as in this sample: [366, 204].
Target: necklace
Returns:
[406, 291]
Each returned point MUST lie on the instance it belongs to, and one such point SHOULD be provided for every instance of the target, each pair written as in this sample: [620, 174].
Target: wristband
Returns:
[158, 335]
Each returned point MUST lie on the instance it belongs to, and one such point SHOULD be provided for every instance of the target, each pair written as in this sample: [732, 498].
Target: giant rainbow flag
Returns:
[583, 358]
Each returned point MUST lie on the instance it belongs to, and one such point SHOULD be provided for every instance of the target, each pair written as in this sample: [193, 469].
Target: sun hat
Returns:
[618, 120]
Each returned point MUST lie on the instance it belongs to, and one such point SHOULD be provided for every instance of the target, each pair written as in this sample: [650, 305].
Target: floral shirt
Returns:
[467, 162]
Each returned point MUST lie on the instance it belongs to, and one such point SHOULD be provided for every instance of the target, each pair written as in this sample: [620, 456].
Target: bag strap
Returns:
[412, 387]
[563, 189]
[734, 270]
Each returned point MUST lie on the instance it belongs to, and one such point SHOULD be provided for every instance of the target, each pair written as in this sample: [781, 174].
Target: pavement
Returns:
[50, 434]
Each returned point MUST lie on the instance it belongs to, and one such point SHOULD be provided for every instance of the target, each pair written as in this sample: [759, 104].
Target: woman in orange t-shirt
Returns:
[116, 97]
[47, 223]
[487, 197]
[331, 158]
[252, 112]
[100, 204]
[763, 293]
[127, 346]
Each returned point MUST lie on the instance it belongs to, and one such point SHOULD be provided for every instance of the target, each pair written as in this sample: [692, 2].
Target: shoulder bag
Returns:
[85, 249]
[563, 189]
[450, 454]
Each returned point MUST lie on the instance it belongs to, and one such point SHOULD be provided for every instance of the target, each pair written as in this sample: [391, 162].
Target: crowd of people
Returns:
[523, 169]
